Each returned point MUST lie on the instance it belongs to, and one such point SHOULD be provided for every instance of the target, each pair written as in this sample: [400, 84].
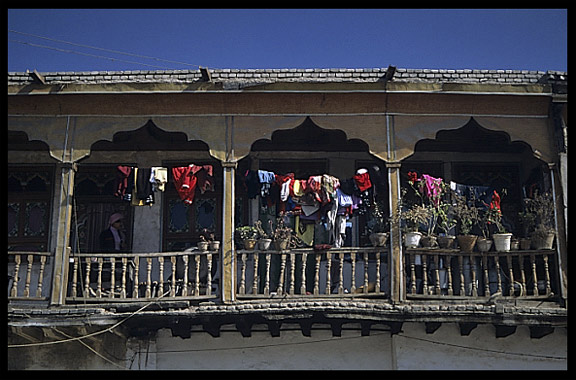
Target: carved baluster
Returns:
[328, 274]
[522, 259]
[112, 277]
[292, 275]
[185, 281]
[498, 277]
[473, 275]
[148, 293]
[377, 287]
[436, 275]
[267, 275]
[353, 273]
[197, 275]
[256, 275]
[510, 274]
[462, 278]
[534, 275]
[173, 283]
[136, 277]
[547, 274]
[424, 274]
[365, 257]
[412, 273]
[87, 277]
[340, 273]
[280, 289]
[14, 290]
[161, 276]
[242, 286]
[317, 275]
[75, 276]
[303, 282]
[123, 278]
[209, 276]
[30, 260]
[486, 276]
[99, 283]
[448, 259]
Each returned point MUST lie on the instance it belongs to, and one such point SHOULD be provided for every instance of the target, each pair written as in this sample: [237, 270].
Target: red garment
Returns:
[122, 174]
[363, 181]
[185, 182]
[204, 175]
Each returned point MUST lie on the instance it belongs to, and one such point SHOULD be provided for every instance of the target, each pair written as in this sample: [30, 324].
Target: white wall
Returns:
[411, 349]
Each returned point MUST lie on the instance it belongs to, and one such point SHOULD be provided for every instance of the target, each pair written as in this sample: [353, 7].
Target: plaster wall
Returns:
[411, 349]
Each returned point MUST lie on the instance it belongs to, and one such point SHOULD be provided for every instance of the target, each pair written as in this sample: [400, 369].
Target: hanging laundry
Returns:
[362, 179]
[142, 193]
[252, 183]
[204, 176]
[185, 182]
[432, 188]
[266, 179]
[122, 176]
[158, 178]
[304, 231]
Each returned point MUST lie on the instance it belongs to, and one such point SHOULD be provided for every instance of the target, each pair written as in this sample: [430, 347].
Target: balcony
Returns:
[337, 273]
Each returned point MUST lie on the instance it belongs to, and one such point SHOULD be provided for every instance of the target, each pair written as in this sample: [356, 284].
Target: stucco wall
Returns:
[411, 349]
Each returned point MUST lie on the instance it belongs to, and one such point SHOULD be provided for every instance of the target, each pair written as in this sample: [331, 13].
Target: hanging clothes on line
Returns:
[142, 194]
[188, 178]
[185, 183]
[158, 178]
[123, 182]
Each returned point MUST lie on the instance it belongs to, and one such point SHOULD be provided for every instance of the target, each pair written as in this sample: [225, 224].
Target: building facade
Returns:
[83, 147]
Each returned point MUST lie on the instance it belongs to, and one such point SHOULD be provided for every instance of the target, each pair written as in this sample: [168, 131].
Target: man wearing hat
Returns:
[113, 239]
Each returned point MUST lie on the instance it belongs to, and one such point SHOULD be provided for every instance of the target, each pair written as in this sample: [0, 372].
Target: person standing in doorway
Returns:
[113, 239]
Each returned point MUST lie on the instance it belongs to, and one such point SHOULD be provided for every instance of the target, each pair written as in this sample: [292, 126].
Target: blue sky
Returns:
[64, 39]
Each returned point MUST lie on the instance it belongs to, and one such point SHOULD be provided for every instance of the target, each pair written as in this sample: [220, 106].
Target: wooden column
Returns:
[227, 264]
[64, 214]
[397, 280]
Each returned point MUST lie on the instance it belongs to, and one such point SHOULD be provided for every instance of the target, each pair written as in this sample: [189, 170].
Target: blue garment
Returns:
[266, 177]
[482, 194]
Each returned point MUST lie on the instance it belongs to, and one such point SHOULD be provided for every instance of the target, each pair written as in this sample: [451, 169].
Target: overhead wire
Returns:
[97, 48]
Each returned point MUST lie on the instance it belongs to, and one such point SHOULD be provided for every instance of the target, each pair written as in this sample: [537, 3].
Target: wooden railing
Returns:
[106, 277]
[452, 273]
[27, 278]
[337, 272]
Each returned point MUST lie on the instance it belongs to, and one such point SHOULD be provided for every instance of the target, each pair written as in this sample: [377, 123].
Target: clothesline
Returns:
[138, 185]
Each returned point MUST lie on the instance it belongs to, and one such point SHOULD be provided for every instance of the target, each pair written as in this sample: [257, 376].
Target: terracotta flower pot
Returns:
[484, 244]
[467, 242]
[543, 240]
[378, 239]
[249, 244]
[446, 241]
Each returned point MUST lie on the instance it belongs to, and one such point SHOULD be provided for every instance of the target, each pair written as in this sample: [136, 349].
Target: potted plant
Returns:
[207, 235]
[281, 234]
[248, 236]
[415, 216]
[466, 214]
[528, 222]
[502, 239]
[377, 226]
[446, 223]
[542, 206]
[264, 241]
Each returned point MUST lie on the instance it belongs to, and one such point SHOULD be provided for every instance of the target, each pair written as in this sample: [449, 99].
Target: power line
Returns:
[96, 48]
[87, 54]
